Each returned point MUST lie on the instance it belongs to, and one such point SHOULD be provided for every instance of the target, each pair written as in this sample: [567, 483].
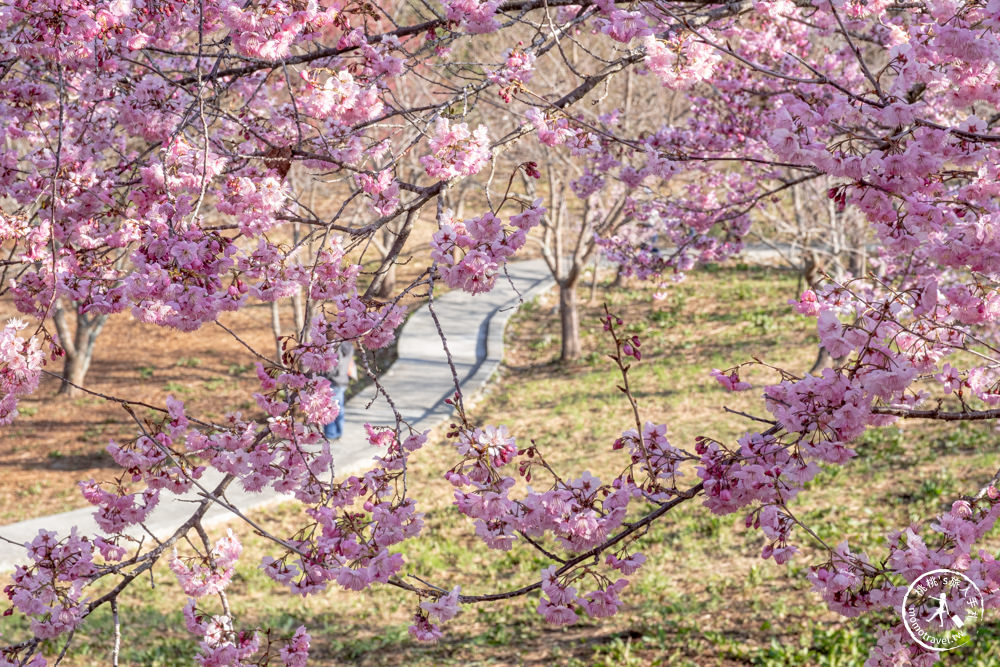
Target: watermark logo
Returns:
[941, 610]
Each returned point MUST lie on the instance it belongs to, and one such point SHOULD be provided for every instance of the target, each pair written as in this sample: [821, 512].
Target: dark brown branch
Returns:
[570, 564]
[510, 6]
[390, 256]
[939, 414]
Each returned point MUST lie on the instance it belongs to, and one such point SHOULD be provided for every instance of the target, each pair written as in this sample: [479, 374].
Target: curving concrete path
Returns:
[418, 382]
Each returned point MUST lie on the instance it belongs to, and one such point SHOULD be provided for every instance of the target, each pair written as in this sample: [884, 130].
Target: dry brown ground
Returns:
[59, 440]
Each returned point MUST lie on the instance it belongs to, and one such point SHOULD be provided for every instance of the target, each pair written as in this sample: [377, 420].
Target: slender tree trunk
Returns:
[299, 312]
[298, 304]
[388, 287]
[822, 357]
[74, 370]
[569, 317]
[593, 281]
[619, 278]
[276, 330]
[384, 280]
[79, 349]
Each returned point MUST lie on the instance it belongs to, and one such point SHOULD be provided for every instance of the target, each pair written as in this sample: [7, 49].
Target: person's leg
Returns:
[335, 429]
[339, 421]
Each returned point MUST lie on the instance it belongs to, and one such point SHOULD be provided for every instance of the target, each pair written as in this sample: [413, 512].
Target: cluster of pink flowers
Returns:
[119, 509]
[383, 190]
[680, 63]
[653, 452]
[730, 381]
[363, 517]
[442, 610]
[50, 590]
[553, 131]
[180, 279]
[456, 151]
[341, 98]
[852, 585]
[473, 16]
[641, 260]
[268, 29]
[469, 254]
[761, 470]
[553, 511]
[579, 513]
[371, 324]
[210, 574]
[623, 26]
[517, 69]
[21, 362]
[222, 645]
[254, 200]
[561, 603]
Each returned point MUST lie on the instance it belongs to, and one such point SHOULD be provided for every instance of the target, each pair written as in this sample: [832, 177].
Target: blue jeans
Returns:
[335, 429]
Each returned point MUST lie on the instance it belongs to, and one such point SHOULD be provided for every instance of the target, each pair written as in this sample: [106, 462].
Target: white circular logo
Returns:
[941, 609]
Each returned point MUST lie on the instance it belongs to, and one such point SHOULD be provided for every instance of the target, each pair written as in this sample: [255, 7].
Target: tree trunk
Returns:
[299, 313]
[276, 330]
[619, 278]
[821, 358]
[569, 318]
[593, 281]
[388, 287]
[79, 350]
[298, 303]
[74, 370]
[384, 280]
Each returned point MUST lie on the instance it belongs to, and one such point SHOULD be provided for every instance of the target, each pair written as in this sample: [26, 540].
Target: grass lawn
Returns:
[704, 597]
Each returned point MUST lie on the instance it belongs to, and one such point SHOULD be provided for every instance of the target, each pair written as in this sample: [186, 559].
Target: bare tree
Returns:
[568, 245]
[576, 220]
[813, 234]
[817, 237]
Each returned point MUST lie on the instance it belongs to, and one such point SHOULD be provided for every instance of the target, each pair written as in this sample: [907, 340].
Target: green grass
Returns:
[214, 384]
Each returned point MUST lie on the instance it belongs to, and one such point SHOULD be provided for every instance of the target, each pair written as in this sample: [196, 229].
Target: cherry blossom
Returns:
[155, 164]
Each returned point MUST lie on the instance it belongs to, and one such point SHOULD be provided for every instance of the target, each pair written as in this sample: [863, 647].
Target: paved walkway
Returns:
[418, 383]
